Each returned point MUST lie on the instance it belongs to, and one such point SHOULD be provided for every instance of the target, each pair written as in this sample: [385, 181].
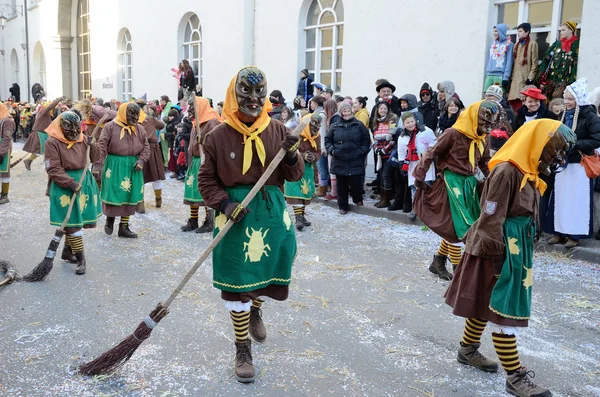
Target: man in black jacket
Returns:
[428, 106]
[385, 92]
[305, 87]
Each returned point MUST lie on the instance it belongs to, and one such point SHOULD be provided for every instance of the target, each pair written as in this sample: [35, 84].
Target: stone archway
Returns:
[39, 64]
[63, 42]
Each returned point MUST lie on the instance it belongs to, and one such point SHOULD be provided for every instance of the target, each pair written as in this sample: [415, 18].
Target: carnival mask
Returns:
[488, 117]
[315, 125]
[557, 150]
[70, 123]
[132, 114]
[251, 91]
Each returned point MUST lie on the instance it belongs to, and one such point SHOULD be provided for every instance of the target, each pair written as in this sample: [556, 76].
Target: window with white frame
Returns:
[192, 46]
[324, 42]
[545, 17]
[125, 67]
[83, 49]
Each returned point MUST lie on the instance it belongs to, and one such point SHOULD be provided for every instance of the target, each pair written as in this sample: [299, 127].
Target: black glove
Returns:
[75, 187]
[422, 185]
[235, 211]
[498, 263]
[138, 166]
[90, 141]
[290, 144]
[505, 85]
[309, 156]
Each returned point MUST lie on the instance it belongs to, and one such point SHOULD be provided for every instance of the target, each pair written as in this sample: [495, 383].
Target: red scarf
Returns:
[566, 44]
[524, 52]
[412, 154]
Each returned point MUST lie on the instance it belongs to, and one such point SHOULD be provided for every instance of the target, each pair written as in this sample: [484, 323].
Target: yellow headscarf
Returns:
[55, 130]
[3, 111]
[524, 149]
[230, 108]
[121, 120]
[305, 134]
[467, 124]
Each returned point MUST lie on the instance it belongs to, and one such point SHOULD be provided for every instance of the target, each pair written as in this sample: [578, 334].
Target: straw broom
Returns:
[118, 355]
[42, 270]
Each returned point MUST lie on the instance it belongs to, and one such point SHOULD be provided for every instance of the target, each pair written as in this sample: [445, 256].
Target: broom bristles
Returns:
[42, 270]
[116, 357]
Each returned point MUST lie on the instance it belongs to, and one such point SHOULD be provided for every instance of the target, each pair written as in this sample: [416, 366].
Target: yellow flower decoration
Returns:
[126, 184]
[65, 200]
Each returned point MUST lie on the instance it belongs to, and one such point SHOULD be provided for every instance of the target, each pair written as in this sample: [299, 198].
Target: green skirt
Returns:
[191, 194]
[464, 201]
[43, 138]
[5, 163]
[259, 250]
[511, 296]
[86, 209]
[304, 189]
[121, 185]
[164, 147]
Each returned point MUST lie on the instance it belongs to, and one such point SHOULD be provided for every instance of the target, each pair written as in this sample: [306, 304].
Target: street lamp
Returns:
[3, 7]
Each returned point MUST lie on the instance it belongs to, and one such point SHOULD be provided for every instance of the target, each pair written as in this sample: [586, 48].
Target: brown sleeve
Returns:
[210, 125]
[291, 173]
[487, 235]
[209, 184]
[485, 159]
[54, 167]
[144, 155]
[8, 128]
[317, 152]
[103, 142]
[159, 125]
[52, 105]
[442, 146]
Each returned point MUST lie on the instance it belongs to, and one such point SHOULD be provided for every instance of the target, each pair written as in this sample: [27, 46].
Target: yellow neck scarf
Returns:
[467, 124]
[251, 134]
[524, 149]
[306, 135]
[55, 130]
[121, 121]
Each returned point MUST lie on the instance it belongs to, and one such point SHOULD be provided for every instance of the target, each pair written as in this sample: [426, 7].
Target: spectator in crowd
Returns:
[557, 106]
[385, 92]
[318, 88]
[533, 108]
[385, 120]
[500, 60]
[559, 64]
[278, 102]
[339, 99]
[327, 93]
[525, 65]
[305, 88]
[571, 209]
[349, 100]
[316, 104]
[220, 107]
[347, 142]
[408, 103]
[500, 135]
[173, 120]
[182, 142]
[331, 117]
[187, 79]
[288, 118]
[164, 106]
[359, 107]
[428, 106]
[450, 114]
[299, 103]
[446, 90]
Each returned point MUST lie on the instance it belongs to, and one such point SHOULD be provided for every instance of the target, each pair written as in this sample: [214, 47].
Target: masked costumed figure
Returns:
[208, 119]
[123, 150]
[493, 280]
[255, 257]
[66, 159]
[300, 193]
[7, 129]
[36, 140]
[451, 205]
[154, 169]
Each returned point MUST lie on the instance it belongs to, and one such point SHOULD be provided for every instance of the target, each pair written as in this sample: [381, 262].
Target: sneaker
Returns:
[469, 355]
[519, 384]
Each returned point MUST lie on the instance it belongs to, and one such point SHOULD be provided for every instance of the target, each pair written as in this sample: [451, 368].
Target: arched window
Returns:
[14, 65]
[324, 42]
[39, 64]
[191, 43]
[83, 49]
[125, 66]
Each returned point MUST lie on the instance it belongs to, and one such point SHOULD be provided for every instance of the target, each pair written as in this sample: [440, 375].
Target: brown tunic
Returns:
[154, 169]
[222, 167]
[306, 147]
[195, 148]
[97, 113]
[470, 291]
[42, 121]
[131, 145]
[7, 129]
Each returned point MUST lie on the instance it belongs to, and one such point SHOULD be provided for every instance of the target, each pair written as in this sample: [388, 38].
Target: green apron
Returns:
[260, 249]
[191, 193]
[511, 296]
[43, 136]
[164, 147]
[86, 209]
[5, 164]
[121, 185]
[464, 201]
[304, 189]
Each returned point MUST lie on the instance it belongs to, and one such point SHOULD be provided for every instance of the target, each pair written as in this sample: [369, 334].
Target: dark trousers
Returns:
[348, 184]
[402, 193]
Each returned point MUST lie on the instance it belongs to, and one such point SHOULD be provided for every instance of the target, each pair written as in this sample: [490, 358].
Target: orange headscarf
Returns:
[121, 120]
[3, 111]
[251, 134]
[205, 111]
[55, 131]
[306, 135]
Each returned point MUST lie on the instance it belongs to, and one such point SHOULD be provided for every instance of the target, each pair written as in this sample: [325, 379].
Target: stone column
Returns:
[63, 45]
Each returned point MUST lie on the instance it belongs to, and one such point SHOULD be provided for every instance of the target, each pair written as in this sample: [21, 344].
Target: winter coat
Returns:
[446, 122]
[500, 59]
[587, 131]
[188, 80]
[363, 116]
[171, 130]
[542, 113]
[520, 72]
[395, 108]
[348, 142]
[305, 88]
[429, 110]
[412, 107]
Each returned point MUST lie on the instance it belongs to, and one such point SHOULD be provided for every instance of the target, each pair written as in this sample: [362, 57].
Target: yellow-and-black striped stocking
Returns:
[124, 220]
[241, 322]
[443, 250]
[454, 253]
[194, 212]
[257, 303]
[473, 329]
[76, 243]
[506, 348]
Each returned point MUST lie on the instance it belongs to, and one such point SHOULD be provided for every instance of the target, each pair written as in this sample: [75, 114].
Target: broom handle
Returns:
[263, 179]
[19, 160]
[81, 179]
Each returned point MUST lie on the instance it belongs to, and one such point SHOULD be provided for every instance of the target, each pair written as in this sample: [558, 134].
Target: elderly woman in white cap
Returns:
[571, 211]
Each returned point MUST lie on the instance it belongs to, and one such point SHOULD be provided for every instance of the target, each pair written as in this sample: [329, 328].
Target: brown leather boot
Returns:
[257, 327]
[244, 370]
[80, 269]
[192, 224]
[385, 199]
[141, 208]
[4, 198]
[110, 225]
[67, 254]
[125, 232]
[469, 355]
[209, 222]
[438, 266]
[27, 164]
[322, 191]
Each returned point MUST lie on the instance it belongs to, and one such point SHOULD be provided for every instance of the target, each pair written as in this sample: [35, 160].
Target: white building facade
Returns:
[118, 49]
